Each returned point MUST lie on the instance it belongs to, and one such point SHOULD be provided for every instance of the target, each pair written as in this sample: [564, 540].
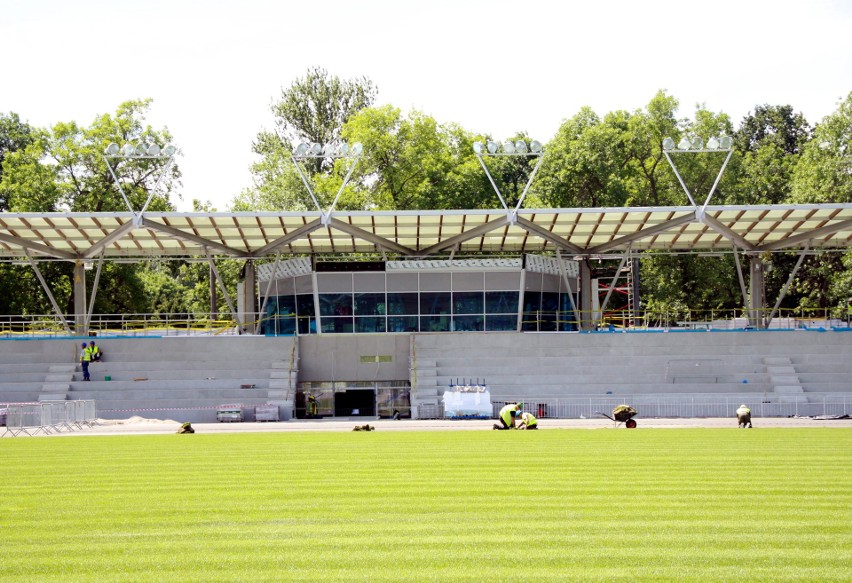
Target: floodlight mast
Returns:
[696, 146]
[517, 148]
[326, 151]
[142, 151]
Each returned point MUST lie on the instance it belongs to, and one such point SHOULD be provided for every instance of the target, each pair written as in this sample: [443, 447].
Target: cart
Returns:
[622, 414]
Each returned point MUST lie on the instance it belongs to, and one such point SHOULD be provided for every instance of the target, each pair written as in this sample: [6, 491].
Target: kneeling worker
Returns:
[507, 416]
[528, 421]
[744, 417]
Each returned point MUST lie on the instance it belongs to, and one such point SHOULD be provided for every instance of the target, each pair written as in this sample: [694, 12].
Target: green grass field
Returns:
[571, 505]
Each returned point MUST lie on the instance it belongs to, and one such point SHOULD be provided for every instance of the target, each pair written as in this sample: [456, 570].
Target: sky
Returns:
[214, 68]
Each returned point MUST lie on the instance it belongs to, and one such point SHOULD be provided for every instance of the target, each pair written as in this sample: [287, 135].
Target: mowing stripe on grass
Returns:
[686, 505]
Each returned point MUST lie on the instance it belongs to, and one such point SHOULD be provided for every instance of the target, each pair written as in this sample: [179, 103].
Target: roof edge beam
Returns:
[360, 233]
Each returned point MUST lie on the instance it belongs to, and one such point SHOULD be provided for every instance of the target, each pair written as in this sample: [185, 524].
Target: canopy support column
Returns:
[80, 325]
[47, 291]
[215, 271]
[756, 286]
[248, 314]
[585, 315]
[783, 293]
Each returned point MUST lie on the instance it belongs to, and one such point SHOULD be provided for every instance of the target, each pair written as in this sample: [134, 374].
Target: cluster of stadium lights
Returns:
[142, 150]
[722, 143]
[509, 148]
[330, 150]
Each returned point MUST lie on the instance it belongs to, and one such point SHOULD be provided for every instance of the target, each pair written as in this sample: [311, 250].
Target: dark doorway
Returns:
[355, 403]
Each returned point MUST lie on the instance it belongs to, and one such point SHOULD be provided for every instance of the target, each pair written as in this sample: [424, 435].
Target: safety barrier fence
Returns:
[48, 417]
[705, 406]
[201, 324]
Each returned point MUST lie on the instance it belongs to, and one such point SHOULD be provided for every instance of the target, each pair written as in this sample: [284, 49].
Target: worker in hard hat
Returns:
[744, 416]
[507, 416]
[528, 421]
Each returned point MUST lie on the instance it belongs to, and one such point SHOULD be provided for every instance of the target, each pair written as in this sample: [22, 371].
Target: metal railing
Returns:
[48, 417]
[198, 324]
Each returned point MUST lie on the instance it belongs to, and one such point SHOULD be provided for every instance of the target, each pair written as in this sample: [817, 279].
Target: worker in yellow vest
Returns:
[744, 417]
[85, 359]
[507, 416]
[528, 421]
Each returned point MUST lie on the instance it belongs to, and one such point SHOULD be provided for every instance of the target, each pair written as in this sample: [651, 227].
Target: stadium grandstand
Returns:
[377, 313]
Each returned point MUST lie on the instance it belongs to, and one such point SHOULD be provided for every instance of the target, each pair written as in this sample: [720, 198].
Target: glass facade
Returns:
[547, 304]
[425, 301]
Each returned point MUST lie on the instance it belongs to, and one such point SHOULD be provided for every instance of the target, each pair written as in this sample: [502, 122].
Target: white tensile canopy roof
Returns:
[417, 234]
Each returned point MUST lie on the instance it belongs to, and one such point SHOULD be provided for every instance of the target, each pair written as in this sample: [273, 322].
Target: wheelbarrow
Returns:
[622, 414]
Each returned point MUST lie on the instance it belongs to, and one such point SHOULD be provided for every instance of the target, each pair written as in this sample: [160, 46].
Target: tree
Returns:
[63, 169]
[316, 107]
[824, 173]
[585, 164]
[415, 163]
[14, 135]
[313, 109]
[777, 124]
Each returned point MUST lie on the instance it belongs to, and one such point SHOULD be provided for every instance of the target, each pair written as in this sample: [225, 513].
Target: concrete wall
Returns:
[198, 373]
[338, 357]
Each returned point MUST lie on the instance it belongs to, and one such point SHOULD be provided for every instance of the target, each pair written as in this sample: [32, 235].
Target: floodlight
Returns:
[477, 147]
[328, 149]
[301, 149]
[357, 148]
[535, 146]
[684, 144]
[668, 144]
[726, 142]
[521, 147]
[712, 144]
[343, 149]
[509, 147]
[154, 150]
[169, 151]
[697, 143]
[315, 149]
[112, 149]
[128, 150]
[492, 147]
[142, 149]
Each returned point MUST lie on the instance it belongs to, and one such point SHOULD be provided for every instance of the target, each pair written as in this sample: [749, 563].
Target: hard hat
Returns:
[743, 405]
[84, 344]
[520, 405]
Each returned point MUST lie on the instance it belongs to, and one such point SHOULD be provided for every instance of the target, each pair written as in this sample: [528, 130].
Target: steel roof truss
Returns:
[37, 247]
[547, 235]
[800, 238]
[641, 234]
[464, 236]
[177, 233]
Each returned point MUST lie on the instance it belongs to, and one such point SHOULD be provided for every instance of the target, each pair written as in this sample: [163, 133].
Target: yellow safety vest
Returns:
[506, 413]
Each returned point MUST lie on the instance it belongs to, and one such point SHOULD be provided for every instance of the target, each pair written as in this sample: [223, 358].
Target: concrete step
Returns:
[62, 368]
[52, 396]
[788, 389]
[59, 377]
[777, 361]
